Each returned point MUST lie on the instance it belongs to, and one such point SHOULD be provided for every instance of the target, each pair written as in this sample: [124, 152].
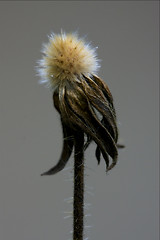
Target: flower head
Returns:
[83, 100]
[66, 57]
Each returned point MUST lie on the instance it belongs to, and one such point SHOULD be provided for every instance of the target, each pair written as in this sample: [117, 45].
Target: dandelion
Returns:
[85, 104]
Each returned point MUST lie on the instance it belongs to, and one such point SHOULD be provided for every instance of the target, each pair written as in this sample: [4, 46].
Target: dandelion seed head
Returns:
[66, 57]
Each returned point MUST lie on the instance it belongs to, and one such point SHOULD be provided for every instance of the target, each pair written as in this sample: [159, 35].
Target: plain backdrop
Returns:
[124, 203]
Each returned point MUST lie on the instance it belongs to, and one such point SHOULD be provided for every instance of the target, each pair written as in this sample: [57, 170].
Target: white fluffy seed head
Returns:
[66, 57]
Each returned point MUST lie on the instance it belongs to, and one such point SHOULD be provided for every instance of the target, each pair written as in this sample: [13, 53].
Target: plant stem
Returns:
[78, 204]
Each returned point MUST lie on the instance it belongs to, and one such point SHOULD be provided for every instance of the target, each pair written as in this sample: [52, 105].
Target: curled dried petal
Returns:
[66, 151]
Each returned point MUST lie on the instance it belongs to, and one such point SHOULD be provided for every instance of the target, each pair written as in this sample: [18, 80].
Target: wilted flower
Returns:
[83, 100]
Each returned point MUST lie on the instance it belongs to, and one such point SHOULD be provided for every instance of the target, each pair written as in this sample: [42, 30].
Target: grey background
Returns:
[123, 204]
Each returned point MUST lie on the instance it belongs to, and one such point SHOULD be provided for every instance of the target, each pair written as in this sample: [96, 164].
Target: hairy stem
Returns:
[78, 203]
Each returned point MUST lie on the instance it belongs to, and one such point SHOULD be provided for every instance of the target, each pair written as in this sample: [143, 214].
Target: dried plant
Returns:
[85, 105]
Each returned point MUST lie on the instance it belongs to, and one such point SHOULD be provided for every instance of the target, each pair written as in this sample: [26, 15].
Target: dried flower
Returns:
[83, 100]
